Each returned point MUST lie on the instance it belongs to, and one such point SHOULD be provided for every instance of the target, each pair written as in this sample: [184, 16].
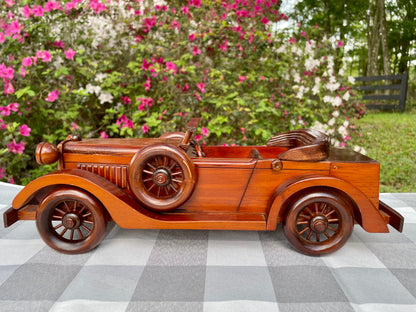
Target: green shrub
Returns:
[132, 69]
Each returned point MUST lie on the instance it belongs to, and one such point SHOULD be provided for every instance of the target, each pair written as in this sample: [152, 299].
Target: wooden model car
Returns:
[172, 182]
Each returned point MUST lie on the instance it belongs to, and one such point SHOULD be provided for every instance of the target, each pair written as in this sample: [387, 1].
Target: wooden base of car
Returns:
[171, 182]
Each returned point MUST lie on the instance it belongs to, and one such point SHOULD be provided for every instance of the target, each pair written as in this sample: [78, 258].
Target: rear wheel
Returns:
[71, 221]
[318, 223]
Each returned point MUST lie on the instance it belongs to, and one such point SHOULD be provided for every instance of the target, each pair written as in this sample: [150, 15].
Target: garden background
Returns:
[142, 68]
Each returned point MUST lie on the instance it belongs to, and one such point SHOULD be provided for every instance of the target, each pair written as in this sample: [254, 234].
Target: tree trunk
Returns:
[384, 43]
[374, 43]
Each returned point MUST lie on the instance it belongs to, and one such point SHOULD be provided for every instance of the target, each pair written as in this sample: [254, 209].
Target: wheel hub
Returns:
[71, 221]
[161, 177]
[319, 224]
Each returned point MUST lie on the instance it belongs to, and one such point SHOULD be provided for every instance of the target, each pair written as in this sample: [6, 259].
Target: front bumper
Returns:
[393, 218]
[10, 216]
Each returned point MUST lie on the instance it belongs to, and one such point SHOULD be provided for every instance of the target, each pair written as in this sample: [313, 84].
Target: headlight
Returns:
[46, 153]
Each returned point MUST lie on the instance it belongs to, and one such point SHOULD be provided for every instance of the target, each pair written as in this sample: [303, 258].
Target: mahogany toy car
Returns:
[297, 179]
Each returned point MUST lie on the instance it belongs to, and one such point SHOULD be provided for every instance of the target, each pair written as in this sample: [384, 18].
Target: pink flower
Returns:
[196, 51]
[204, 131]
[24, 130]
[59, 44]
[185, 10]
[8, 88]
[147, 85]
[144, 103]
[124, 122]
[191, 37]
[198, 97]
[52, 96]
[198, 137]
[69, 54]
[224, 46]
[243, 130]
[6, 72]
[145, 128]
[264, 20]
[149, 23]
[195, 3]
[171, 67]
[1, 37]
[16, 148]
[70, 5]
[103, 135]
[185, 88]
[201, 87]
[44, 55]
[26, 11]
[340, 44]
[175, 24]
[9, 3]
[292, 40]
[2, 125]
[74, 126]
[126, 100]
[37, 10]
[145, 64]
[27, 61]
[2, 172]
[51, 5]
[242, 78]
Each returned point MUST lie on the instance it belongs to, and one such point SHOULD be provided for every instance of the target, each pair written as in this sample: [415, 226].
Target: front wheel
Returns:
[318, 223]
[71, 221]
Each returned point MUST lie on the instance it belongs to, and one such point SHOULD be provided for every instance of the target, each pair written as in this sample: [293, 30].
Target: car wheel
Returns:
[71, 221]
[162, 177]
[318, 223]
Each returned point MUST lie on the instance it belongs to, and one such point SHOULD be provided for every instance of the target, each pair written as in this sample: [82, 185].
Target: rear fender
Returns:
[365, 212]
[122, 208]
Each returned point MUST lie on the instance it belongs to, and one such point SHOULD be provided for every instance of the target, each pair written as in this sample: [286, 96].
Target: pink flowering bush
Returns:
[141, 68]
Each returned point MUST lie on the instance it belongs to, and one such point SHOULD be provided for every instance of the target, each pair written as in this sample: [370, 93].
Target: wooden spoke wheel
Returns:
[71, 221]
[162, 177]
[318, 223]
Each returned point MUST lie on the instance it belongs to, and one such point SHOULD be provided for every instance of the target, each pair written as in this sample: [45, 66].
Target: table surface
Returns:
[184, 270]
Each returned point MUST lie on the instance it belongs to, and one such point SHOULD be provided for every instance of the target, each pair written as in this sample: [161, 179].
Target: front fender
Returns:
[369, 216]
[122, 208]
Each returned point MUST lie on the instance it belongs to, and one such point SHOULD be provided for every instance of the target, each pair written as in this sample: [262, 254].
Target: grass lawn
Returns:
[390, 138]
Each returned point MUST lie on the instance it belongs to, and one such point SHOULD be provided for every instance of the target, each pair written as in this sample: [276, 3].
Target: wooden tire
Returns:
[71, 221]
[318, 223]
[162, 177]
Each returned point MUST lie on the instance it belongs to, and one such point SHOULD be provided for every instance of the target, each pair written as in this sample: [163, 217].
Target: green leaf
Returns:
[26, 90]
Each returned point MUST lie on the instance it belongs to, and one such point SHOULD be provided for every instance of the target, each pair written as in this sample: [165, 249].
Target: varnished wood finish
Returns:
[71, 221]
[162, 177]
[394, 218]
[318, 223]
[173, 183]
[46, 153]
[304, 145]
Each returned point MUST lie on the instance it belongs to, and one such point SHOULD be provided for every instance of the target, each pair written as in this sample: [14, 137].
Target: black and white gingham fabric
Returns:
[183, 270]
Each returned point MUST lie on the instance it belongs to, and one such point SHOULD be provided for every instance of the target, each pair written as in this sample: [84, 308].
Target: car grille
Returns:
[116, 174]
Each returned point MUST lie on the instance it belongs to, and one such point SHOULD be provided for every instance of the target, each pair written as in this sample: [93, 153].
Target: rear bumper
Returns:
[10, 216]
[395, 219]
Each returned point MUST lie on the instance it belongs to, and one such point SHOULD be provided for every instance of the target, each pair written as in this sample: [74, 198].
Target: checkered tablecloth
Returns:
[183, 270]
